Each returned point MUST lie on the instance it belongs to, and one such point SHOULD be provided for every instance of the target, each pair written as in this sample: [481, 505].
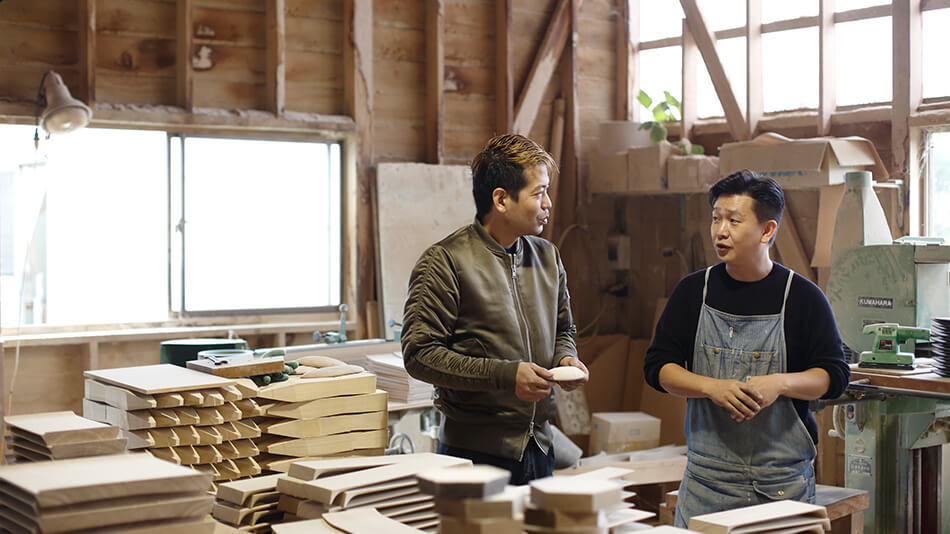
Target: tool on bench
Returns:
[237, 363]
[888, 338]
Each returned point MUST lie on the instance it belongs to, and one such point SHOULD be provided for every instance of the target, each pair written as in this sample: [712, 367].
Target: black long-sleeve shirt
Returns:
[811, 336]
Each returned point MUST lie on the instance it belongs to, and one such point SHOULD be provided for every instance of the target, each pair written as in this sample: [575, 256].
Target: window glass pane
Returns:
[723, 14]
[848, 5]
[773, 10]
[936, 42]
[660, 70]
[863, 60]
[939, 197]
[732, 52]
[660, 19]
[259, 220]
[790, 70]
[95, 245]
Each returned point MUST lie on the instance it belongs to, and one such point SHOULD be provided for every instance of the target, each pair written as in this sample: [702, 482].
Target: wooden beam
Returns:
[184, 33]
[789, 245]
[625, 33]
[545, 62]
[87, 51]
[276, 65]
[435, 76]
[504, 84]
[688, 102]
[906, 32]
[717, 73]
[753, 41]
[572, 126]
[927, 5]
[358, 102]
[634, 60]
[556, 149]
[826, 65]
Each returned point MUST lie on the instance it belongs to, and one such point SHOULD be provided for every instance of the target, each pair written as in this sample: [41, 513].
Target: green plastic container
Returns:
[179, 351]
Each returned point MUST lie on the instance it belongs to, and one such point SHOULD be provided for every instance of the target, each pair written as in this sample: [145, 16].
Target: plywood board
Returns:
[313, 526]
[762, 517]
[476, 482]
[409, 222]
[366, 521]
[324, 426]
[296, 389]
[314, 469]
[161, 378]
[258, 366]
[118, 397]
[56, 428]
[240, 491]
[369, 402]
[327, 444]
[72, 450]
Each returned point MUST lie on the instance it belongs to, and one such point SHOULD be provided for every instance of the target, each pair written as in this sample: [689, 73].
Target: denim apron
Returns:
[767, 458]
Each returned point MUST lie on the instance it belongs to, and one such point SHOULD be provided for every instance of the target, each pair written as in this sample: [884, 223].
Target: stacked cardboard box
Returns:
[183, 416]
[250, 505]
[384, 483]
[318, 418]
[472, 500]
[115, 493]
[60, 435]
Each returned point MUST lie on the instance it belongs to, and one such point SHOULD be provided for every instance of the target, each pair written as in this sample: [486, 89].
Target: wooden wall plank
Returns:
[314, 35]
[325, 9]
[185, 83]
[435, 76]
[826, 65]
[87, 52]
[275, 77]
[543, 68]
[626, 99]
[228, 26]
[135, 55]
[504, 88]
[141, 18]
[118, 88]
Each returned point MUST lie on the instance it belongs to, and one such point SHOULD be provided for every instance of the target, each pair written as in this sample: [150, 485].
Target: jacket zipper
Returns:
[527, 339]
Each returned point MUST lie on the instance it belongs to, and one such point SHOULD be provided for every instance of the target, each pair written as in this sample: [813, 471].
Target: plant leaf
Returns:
[646, 125]
[644, 99]
[698, 149]
[658, 133]
[660, 114]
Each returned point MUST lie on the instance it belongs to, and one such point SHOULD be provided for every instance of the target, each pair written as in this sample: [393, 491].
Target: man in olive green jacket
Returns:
[488, 314]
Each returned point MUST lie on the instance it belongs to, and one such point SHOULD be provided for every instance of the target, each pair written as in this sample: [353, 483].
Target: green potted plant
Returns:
[668, 109]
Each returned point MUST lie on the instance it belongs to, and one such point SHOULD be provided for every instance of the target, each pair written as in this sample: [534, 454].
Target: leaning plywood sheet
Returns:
[324, 426]
[369, 402]
[56, 428]
[761, 518]
[66, 482]
[366, 521]
[161, 378]
[408, 222]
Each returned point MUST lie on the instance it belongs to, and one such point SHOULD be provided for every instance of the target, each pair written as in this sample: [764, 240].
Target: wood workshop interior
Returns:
[214, 317]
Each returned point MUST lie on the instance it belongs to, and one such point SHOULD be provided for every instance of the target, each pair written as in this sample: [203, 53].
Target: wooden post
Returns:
[435, 76]
[504, 86]
[634, 16]
[570, 168]
[625, 95]
[87, 51]
[556, 149]
[358, 99]
[184, 32]
[826, 65]
[688, 102]
[754, 102]
[276, 36]
[906, 19]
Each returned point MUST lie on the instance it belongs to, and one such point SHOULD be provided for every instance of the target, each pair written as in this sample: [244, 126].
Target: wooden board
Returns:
[327, 444]
[77, 449]
[296, 389]
[369, 402]
[259, 366]
[314, 469]
[409, 222]
[758, 518]
[366, 520]
[324, 426]
[930, 382]
[56, 428]
[161, 378]
[476, 482]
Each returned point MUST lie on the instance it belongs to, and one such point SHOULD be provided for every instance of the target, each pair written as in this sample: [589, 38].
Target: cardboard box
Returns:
[608, 172]
[647, 166]
[801, 163]
[623, 431]
[692, 173]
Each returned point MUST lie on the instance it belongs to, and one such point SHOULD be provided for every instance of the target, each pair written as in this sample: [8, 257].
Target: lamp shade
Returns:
[63, 113]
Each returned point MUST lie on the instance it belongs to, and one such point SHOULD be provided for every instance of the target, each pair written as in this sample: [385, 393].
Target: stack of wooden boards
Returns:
[386, 484]
[391, 376]
[249, 505]
[590, 503]
[474, 500]
[186, 417]
[59, 435]
[775, 517]
[318, 418]
[129, 493]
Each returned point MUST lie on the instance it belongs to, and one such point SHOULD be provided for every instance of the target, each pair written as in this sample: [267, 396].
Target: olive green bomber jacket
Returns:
[474, 312]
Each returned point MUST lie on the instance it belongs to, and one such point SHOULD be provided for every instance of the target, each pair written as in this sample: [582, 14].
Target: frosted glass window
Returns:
[660, 70]
[261, 224]
[936, 42]
[939, 186]
[863, 60]
[723, 14]
[774, 10]
[732, 52]
[790, 70]
[660, 19]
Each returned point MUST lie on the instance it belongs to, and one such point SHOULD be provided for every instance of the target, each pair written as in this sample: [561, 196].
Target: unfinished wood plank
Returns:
[476, 482]
[571, 171]
[688, 102]
[366, 520]
[311, 428]
[568, 494]
[435, 76]
[826, 65]
[789, 245]
[276, 56]
[87, 52]
[296, 389]
[160, 378]
[907, 29]
[754, 102]
[324, 445]
[184, 23]
[706, 43]
[314, 469]
[504, 85]
[626, 97]
[55, 428]
[239, 491]
[545, 62]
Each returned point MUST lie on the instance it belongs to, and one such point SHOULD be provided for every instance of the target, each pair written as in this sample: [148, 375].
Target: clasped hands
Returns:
[744, 399]
[533, 382]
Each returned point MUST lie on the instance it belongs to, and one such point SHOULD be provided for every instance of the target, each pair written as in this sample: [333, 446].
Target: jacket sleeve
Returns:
[428, 325]
[564, 344]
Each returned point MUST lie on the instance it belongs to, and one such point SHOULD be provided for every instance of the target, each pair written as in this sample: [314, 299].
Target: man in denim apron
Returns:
[748, 343]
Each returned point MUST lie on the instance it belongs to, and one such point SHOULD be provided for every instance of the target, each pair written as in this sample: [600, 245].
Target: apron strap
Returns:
[706, 283]
[788, 287]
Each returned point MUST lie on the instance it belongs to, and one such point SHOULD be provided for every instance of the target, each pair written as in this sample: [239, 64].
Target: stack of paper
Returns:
[60, 435]
[250, 505]
[120, 493]
[391, 376]
[385, 483]
[183, 416]
[319, 418]
[779, 516]
[474, 499]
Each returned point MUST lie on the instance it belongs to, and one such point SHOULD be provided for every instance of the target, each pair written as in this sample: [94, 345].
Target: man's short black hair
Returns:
[767, 194]
[502, 164]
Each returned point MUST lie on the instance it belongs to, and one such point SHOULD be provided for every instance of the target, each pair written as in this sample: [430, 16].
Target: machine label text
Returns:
[876, 302]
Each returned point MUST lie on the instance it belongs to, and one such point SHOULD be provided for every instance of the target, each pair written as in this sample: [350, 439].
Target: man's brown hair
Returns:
[502, 164]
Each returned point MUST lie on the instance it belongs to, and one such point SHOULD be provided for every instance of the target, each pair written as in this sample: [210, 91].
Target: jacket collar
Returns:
[493, 245]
